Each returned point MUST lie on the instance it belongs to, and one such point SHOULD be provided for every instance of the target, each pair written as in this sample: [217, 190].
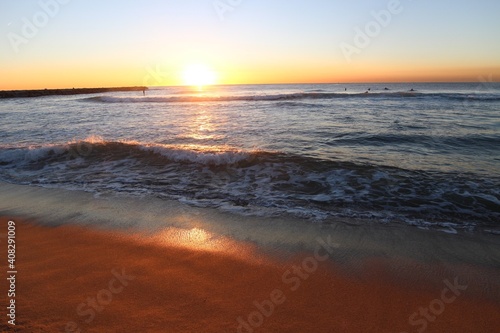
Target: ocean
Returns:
[420, 154]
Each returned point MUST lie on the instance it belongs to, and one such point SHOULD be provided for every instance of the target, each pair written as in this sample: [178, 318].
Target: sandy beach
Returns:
[80, 276]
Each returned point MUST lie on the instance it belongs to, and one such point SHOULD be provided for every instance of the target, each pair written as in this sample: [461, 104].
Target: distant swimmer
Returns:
[345, 89]
[369, 89]
[386, 88]
[412, 89]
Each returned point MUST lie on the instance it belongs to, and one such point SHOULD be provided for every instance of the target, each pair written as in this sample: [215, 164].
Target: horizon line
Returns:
[249, 84]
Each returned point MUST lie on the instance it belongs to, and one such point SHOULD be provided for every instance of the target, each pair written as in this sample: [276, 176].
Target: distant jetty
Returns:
[50, 92]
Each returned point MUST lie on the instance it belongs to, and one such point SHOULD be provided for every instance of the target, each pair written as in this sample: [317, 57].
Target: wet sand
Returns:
[110, 263]
[72, 278]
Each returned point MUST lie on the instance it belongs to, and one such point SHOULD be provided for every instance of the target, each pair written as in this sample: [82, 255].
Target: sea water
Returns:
[421, 154]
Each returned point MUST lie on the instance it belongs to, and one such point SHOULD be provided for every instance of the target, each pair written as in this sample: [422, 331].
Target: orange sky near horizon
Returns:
[88, 77]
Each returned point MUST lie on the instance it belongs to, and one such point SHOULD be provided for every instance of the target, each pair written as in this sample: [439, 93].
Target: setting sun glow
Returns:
[198, 75]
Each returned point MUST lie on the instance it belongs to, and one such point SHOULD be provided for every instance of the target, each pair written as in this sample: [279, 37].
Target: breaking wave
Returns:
[259, 182]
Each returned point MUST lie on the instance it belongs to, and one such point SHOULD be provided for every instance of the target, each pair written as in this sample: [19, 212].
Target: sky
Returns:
[113, 43]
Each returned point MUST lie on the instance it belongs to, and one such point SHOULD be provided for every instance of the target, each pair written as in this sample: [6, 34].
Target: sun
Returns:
[198, 75]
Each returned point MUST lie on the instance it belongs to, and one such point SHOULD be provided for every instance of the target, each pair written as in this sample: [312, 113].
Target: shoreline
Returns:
[201, 270]
[148, 215]
[53, 92]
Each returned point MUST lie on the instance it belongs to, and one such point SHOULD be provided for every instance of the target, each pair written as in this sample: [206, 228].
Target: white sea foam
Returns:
[201, 155]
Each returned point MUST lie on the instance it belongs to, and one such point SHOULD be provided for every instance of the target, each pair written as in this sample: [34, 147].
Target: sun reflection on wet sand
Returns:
[202, 240]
